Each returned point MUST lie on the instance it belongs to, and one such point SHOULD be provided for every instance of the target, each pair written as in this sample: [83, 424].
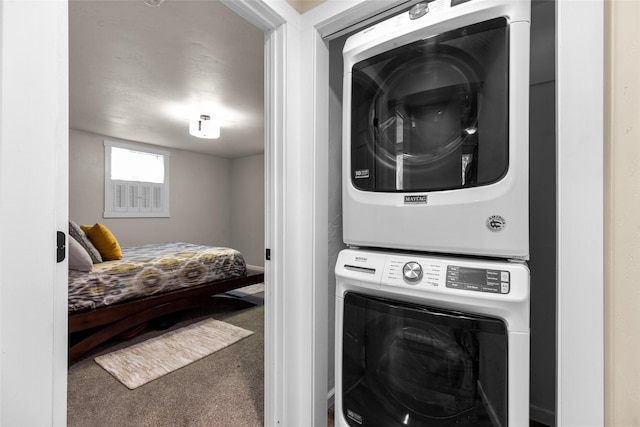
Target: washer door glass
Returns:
[405, 364]
[433, 115]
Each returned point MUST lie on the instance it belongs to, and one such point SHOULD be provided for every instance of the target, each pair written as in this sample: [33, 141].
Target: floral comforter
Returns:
[152, 269]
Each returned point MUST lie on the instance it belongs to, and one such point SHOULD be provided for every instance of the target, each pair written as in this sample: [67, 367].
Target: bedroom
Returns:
[216, 185]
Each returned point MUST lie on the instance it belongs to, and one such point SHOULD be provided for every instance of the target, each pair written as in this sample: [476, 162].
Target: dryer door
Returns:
[433, 115]
[405, 364]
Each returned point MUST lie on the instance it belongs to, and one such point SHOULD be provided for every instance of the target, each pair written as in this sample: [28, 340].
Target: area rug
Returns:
[144, 362]
[247, 290]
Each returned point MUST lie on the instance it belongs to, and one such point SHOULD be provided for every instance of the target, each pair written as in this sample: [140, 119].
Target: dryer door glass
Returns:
[406, 364]
[433, 115]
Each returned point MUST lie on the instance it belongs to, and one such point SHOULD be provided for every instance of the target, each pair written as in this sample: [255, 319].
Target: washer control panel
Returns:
[415, 273]
[431, 273]
[478, 279]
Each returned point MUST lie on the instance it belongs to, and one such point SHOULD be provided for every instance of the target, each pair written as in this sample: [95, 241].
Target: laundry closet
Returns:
[515, 287]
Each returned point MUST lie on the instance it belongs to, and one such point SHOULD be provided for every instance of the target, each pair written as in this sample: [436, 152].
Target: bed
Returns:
[148, 282]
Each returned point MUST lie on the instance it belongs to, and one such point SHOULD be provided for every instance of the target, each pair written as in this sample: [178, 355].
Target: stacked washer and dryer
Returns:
[432, 296]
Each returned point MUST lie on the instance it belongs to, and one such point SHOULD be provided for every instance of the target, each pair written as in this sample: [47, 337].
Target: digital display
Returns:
[472, 275]
[477, 279]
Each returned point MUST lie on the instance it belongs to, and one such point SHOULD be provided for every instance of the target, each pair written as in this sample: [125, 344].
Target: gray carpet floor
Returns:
[223, 389]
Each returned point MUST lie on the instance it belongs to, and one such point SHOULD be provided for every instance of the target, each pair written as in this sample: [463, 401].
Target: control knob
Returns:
[412, 272]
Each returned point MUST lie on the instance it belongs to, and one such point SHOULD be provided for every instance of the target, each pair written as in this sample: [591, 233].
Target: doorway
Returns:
[217, 198]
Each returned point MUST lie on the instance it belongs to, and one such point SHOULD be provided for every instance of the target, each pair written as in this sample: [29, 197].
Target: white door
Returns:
[33, 205]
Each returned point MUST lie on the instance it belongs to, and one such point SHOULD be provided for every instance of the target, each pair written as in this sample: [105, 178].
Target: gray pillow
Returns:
[76, 232]
[79, 258]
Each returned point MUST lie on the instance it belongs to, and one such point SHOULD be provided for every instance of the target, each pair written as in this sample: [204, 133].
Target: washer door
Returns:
[433, 115]
[413, 365]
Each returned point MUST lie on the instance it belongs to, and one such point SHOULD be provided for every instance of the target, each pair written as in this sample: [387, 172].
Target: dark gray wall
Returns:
[542, 218]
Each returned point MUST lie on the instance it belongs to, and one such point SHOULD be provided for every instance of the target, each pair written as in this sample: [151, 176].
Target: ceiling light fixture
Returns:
[154, 3]
[203, 127]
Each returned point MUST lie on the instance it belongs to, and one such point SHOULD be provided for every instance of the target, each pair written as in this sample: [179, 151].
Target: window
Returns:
[136, 181]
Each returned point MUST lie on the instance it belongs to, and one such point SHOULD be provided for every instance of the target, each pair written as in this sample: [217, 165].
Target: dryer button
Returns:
[412, 272]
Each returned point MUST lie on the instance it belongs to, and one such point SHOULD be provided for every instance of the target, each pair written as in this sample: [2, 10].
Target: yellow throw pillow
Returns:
[104, 241]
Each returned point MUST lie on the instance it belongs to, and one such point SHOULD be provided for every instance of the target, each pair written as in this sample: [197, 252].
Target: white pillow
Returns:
[79, 258]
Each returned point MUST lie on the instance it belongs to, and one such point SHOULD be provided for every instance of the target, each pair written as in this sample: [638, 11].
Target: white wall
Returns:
[201, 202]
[247, 207]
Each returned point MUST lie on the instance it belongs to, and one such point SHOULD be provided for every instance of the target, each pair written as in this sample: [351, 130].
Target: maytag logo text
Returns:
[415, 200]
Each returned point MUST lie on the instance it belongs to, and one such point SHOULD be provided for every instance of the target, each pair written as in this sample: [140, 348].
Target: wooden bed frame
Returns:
[110, 321]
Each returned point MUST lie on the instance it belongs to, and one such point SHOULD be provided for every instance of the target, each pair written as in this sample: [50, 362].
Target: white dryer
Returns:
[430, 341]
[436, 136]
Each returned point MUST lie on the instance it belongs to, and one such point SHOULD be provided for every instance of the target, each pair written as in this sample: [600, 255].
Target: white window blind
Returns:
[136, 181]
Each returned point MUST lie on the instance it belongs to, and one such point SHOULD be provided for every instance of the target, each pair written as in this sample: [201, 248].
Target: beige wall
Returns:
[303, 5]
[622, 213]
[200, 197]
[247, 206]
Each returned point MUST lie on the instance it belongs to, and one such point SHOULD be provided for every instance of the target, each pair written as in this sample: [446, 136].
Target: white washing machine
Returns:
[436, 130]
[431, 341]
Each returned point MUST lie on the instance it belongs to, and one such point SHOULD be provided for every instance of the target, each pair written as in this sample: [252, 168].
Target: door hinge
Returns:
[267, 254]
[60, 246]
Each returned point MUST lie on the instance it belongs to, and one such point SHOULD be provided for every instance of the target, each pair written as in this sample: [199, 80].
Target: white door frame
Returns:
[34, 186]
[580, 215]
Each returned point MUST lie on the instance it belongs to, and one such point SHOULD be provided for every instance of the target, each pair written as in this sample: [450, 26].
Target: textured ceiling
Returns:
[139, 72]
